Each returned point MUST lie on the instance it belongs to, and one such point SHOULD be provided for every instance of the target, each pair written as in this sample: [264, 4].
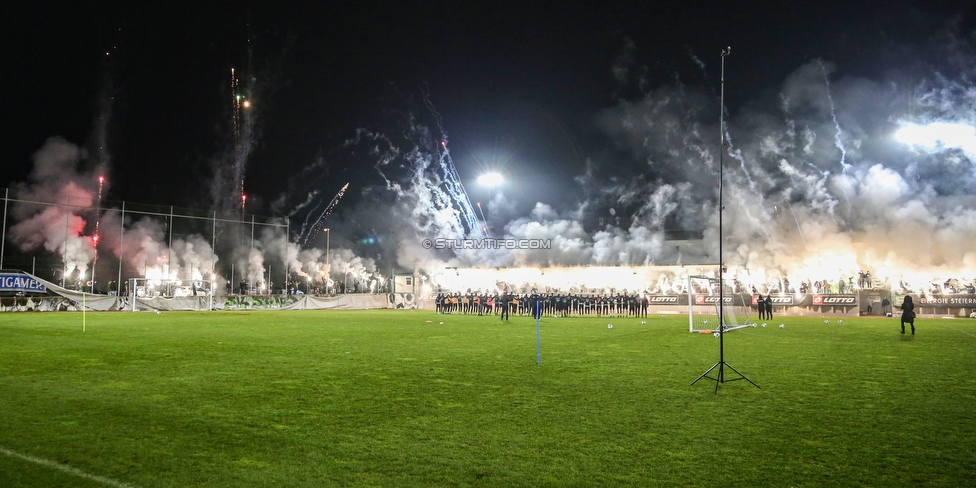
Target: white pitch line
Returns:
[64, 467]
[959, 330]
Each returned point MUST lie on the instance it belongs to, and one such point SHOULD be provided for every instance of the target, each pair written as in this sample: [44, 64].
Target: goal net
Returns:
[147, 288]
[703, 306]
[182, 294]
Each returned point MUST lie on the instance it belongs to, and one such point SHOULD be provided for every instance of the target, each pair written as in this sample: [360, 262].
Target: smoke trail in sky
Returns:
[838, 134]
[316, 226]
[452, 181]
[230, 169]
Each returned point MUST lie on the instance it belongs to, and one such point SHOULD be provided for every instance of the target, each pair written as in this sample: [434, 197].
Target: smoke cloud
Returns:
[827, 177]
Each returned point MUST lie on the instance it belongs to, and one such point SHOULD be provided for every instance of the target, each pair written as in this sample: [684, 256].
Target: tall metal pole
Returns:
[328, 269]
[94, 265]
[118, 284]
[169, 252]
[3, 239]
[721, 364]
[64, 258]
[213, 252]
[98, 217]
[252, 250]
[721, 209]
[287, 241]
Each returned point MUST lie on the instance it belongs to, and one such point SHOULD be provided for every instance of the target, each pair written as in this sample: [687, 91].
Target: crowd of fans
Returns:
[864, 281]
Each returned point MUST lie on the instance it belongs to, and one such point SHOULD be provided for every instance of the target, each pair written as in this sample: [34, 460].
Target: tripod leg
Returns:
[742, 375]
[706, 373]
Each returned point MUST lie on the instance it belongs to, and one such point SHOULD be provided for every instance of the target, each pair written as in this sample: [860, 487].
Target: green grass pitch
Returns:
[395, 398]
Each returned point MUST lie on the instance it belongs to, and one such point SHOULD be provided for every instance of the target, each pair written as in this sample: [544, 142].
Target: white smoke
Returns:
[836, 178]
[830, 176]
[60, 226]
[817, 190]
[62, 222]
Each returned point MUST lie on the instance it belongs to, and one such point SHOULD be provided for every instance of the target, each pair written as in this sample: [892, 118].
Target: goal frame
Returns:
[737, 315]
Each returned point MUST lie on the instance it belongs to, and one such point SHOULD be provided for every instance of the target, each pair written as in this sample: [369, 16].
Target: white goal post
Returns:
[703, 306]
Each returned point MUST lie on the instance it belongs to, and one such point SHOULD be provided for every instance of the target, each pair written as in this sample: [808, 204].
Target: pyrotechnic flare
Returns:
[98, 219]
[229, 171]
[320, 221]
[452, 180]
[242, 145]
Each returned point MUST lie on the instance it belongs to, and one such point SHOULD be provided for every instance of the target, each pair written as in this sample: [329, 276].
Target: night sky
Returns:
[524, 81]
[602, 118]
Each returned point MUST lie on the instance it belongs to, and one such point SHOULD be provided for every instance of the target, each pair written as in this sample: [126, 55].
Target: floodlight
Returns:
[946, 134]
[490, 179]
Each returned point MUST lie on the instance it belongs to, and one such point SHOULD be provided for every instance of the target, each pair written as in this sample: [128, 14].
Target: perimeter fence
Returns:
[46, 234]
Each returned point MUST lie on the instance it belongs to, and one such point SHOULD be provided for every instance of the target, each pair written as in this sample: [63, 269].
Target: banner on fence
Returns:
[20, 282]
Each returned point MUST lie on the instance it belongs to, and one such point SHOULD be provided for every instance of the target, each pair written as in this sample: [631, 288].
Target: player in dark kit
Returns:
[769, 307]
[761, 304]
[503, 302]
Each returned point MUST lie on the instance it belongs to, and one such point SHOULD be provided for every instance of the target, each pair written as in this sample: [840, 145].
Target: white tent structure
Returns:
[58, 298]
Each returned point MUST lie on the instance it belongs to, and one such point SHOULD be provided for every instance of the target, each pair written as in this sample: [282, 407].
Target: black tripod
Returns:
[721, 364]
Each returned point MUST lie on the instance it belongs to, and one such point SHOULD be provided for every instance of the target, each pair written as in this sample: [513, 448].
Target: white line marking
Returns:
[970, 334]
[64, 467]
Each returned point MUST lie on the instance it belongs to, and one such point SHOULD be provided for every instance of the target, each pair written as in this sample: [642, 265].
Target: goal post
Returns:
[703, 306]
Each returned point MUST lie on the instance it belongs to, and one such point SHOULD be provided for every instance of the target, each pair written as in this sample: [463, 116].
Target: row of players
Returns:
[546, 304]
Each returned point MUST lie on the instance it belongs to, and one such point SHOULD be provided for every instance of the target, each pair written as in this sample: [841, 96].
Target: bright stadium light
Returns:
[939, 134]
[490, 179]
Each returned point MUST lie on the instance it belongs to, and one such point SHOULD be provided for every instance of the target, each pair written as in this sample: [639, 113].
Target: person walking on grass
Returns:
[908, 313]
